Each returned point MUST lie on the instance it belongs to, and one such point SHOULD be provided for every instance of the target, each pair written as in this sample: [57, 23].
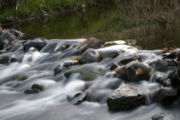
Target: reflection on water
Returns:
[108, 25]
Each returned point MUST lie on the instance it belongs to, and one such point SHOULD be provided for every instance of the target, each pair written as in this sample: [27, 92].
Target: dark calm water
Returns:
[106, 24]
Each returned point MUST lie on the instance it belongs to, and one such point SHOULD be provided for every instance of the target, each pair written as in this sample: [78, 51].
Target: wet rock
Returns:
[38, 43]
[170, 55]
[16, 33]
[87, 72]
[58, 69]
[138, 71]
[175, 79]
[165, 64]
[90, 43]
[4, 59]
[161, 78]
[6, 40]
[3, 51]
[121, 72]
[123, 60]
[31, 91]
[134, 71]
[37, 87]
[21, 78]
[77, 99]
[159, 116]
[69, 64]
[64, 67]
[108, 53]
[90, 55]
[113, 66]
[165, 95]
[126, 97]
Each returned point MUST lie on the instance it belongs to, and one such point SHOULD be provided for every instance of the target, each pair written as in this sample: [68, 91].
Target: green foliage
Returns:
[36, 7]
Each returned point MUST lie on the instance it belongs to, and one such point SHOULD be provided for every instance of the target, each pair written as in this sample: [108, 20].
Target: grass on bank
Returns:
[29, 8]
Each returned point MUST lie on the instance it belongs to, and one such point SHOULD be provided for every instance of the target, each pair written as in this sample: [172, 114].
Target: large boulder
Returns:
[126, 97]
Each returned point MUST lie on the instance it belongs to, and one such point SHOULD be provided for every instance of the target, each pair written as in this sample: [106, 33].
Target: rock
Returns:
[89, 55]
[126, 97]
[31, 91]
[123, 60]
[69, 64]
[159, 116]
[90, 43]
[37, 87]
[138, 71]
[108, 53]
[134, 71]
[113, 66]
[58, 69]
[170, 55]
[165, 95]
[175, 79]
[16, 33]
[121, 72]
[21, 78]
[38, 43]
[87, 72]
[77, 99]
[161, 78]
[165, 64]
[6, 40]
[4, 59]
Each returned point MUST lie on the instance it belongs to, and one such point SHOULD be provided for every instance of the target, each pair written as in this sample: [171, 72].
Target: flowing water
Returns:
[52, 103]
[36, 67]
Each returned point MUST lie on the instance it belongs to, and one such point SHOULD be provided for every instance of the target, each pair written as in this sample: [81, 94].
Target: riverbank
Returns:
[35, 9]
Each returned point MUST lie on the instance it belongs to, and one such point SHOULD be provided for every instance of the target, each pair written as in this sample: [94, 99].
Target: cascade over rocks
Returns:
[84, 71]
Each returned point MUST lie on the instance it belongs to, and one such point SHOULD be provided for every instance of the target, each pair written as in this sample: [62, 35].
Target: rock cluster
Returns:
[108, 75]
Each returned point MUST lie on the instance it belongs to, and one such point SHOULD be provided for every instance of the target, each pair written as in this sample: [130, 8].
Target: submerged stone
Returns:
[159, 116]
[78, 98]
